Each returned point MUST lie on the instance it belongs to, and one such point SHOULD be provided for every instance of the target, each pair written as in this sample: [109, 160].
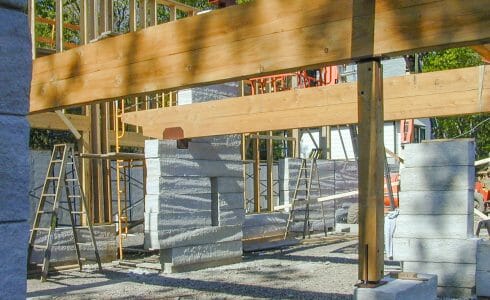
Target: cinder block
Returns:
[177, 203]
[201, 253]
[448, 274]
[458, 152]
[184, 167]
[435, 250]
[436, 202]
[434, 226]
[483, 283]
[228, 201]
[20, 5]
[447, 178]
[14, 166]
[483, 256]
[184, 220]
[201, 151]
[259, 225]
[401, 289]
[201, 236]
[178, 185]
[13, 246]
[231, 139]
[231, 217]
[15, 60]
[455, 292]
[230, 184]
[151, 240]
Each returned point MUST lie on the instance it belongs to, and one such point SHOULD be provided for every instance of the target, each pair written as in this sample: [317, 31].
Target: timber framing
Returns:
[443, 93]
[259, 38]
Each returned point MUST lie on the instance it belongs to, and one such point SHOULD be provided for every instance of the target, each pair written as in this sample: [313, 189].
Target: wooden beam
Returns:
[484, 51]
[258, 38]
[444, 93]
[51, 120]
[153, 12]
[130, 139]
[59, 25]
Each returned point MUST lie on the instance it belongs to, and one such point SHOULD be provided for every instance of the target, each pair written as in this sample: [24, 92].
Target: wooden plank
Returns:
[180, 6]
[59, 25]
[371, 158]
[270, 179]
[484, 51]
[130, 139]
[444, 93]
[153, 12]
[50, 120]
[259, 38]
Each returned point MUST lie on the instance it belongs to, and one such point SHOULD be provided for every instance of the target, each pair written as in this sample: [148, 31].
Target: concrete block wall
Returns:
[15, 78]
[483, 269]
[194, 203]
[434, 230]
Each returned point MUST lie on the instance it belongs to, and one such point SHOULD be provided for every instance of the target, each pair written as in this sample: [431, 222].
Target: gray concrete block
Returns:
[184, 220]
[13, 247]
[436, 202]
[151, 240]
[178, 185]
[231, 217]
[448, 274]
[483, 256]
[201, 236]
[184, 167]
[14, 167]
[201, 253]
[447, 178]
[231, 139]
[401, 289]
[458, 152]
[176, 203]
[435, 250]
[20, 5]
[202, 151]
[434, 226]
[228, 201]
[483, 283]
[260, 225]
[452, 292]
[230, 184]
[15, 60]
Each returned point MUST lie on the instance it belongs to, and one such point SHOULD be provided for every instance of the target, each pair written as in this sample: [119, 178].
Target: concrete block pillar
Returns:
[15, 78]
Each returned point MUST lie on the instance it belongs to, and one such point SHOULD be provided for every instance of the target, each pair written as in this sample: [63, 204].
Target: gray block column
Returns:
[434, 230]
[15, 79]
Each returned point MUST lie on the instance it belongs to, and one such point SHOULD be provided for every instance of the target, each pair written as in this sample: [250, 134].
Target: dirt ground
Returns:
[318, 269]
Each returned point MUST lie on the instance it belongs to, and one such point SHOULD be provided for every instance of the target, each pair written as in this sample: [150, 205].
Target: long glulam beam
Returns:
[444, 93]
[259, 38]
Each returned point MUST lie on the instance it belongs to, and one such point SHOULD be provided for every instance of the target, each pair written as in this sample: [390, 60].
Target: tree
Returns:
[475, 126]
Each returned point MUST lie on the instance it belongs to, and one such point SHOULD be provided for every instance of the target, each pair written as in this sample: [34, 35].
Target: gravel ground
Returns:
[316, 270]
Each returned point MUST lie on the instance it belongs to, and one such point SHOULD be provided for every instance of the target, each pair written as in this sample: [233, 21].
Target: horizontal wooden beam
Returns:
[444, 93]
[255, 39]
[484, 51]
[130, 139]
[51, 120]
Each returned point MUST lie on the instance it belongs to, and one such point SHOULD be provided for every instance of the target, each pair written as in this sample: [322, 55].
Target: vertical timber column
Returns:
[153, 12]
[270, 165]
[371, 157]
[59, 25]
[296, 135]
[256, 164]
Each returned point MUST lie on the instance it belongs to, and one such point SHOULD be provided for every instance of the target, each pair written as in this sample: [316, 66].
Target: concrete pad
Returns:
[202, 236]
[447, 178]
[435, 250]
[436, 202]
[201, 253]
[401, 289]
[15, 60]
[457, 152]
[448, 274]
[483, 256]
[434, 226]
[13, 247]
[483, 283]
[14, 167]
[186, 167]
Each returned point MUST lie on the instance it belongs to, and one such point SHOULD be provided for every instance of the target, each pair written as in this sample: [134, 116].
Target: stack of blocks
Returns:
[435, 227]
[15, 78]
[194, 204]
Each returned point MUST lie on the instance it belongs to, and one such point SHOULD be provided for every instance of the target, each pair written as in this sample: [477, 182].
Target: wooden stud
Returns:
[270, 166]
[256, 174]
[32, 25]
[133, 24]
[143, 13]
[59, 25]
[173, 12]
[371, 158]
[153, 12]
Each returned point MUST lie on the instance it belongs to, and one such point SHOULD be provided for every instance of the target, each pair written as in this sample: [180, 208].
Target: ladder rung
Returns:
[40, 247]
[56, 161]
[78, 212]
[71, 180]
[81, 227]
[46, 212]
[41, 229]
[48, 195]
[52, 178]
[74, 196]
[88, 259]
[69, 163]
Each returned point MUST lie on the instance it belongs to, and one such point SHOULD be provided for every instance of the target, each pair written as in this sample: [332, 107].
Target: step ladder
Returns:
[62, 173]
[302, 196]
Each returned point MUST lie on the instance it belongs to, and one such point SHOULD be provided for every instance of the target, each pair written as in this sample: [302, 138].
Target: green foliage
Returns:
[473, 126]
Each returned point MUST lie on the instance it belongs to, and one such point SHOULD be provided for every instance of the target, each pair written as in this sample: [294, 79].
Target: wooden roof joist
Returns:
[259, 38]
[454, 92]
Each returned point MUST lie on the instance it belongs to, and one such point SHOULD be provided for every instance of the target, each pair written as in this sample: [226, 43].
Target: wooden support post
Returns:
[153, 12]
[371, 157]
[296, 135]
[106, 164]
[256, 157]
[143, 13]
[132, 16]
[93, 23]
[59, 25]
[270, 165]
[83, 22]
[325, 142]
[105, 20]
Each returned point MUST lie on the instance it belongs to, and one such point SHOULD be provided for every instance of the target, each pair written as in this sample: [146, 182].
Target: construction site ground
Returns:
[317, 268]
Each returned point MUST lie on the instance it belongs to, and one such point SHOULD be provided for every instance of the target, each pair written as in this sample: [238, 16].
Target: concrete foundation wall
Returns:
[15, 78]
[434, 231]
